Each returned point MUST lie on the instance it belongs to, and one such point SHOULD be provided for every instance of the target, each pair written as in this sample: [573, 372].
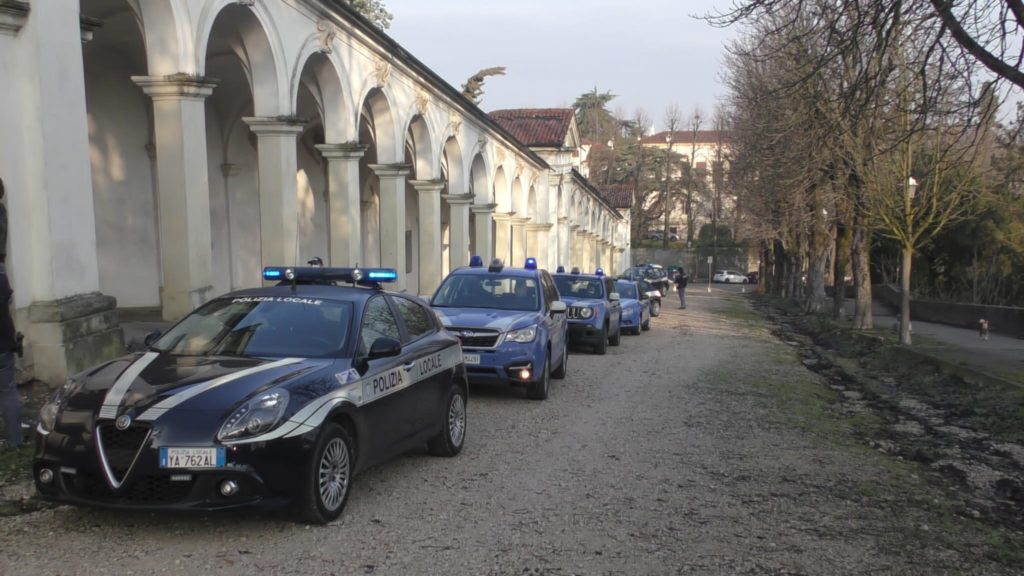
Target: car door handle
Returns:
[408, 366]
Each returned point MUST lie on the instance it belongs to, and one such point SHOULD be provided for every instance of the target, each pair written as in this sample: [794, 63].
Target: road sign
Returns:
[710, 259]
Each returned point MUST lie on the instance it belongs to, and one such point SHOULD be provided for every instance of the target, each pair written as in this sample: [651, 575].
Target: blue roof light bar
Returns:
[319, 275]
[531, 264]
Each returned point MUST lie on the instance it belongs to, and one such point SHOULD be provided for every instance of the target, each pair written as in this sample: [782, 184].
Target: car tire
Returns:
[601, 348]
[563, 368]
[328, 479]
[539, 390]
[655, 308]
[452, 436]
[617, 338]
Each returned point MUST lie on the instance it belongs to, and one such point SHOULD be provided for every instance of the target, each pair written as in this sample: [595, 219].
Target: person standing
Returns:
[10, 403]
[681, 280]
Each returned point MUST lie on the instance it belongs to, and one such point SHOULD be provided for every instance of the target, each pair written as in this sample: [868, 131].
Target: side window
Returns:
[378, 321]
[416, 318]
[552, 290]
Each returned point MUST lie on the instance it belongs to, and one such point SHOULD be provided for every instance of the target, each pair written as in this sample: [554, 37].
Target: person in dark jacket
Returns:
[681, 279]
[10, 403]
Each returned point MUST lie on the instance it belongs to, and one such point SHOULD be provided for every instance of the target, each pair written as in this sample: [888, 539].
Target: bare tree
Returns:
[672, 120]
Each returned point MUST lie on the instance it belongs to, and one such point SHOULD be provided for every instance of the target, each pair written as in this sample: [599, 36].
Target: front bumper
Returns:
[267, 474]
[504, 364]
[586, 333]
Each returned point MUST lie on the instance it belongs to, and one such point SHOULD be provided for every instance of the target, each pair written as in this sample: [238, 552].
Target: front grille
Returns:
[478, 339]
[140, 491]
[576, 313]
[120, 447]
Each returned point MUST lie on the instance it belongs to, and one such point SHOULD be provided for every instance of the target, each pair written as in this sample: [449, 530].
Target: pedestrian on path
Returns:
[681, 279]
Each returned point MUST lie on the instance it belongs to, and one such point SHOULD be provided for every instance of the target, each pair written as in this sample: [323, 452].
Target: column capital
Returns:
[575, 228]
[504, 217]
[458, 199]
[483, 208]
[176, 86]
[539, 227]
[275, 126]
[428, 186]
[563, 219]
[391, 170]
[346, 150]
[519, 221]
[13, 15]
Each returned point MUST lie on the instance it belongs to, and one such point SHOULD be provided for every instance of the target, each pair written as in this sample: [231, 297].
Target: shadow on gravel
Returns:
[968, 434]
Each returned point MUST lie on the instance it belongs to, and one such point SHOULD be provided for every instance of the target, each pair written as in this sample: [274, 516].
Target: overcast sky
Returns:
[650, 53]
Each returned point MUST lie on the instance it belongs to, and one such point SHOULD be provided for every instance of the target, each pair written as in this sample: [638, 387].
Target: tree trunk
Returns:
[844, 236]
[908, 255]
[816, 269]
[862, 316]
[780, 269]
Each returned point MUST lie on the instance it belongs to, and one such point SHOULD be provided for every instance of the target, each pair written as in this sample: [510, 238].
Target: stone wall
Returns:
[1002, 319]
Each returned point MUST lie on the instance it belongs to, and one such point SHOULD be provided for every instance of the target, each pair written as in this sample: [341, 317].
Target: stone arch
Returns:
[122, 153]
[257, 45]
[377, 113]
[518, 197]
[322, 74]
[420, 136]
[531, 203]
[502, 191]
[456, 166]
[483, 193]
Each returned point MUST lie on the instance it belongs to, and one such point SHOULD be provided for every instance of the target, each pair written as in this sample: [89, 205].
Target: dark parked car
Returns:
[270, 396]
[653, 273]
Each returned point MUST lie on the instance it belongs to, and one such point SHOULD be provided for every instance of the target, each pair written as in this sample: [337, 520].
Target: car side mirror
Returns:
[152, 337]
[384, 347]
[645, 296]
[614, 297]
[558, 307]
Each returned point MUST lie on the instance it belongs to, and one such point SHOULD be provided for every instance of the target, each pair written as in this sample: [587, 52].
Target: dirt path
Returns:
[701, 447]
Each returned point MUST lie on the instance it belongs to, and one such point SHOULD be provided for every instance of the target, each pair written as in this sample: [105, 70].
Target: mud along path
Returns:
[701, 447]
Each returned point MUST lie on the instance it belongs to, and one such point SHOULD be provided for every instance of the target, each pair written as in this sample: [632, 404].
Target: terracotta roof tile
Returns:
[618, 195]
[537, 127]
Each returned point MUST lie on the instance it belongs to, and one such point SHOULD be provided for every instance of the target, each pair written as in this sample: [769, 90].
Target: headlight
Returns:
[256, 416]
[522, 335]
[586, 312]
[48, 413]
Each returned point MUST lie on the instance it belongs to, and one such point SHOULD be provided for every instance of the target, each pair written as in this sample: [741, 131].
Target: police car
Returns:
[594, 310]
[267, 396]
[636, 306]
[511, 322]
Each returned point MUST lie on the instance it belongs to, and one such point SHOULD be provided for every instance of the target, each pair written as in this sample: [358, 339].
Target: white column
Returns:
[579, 249]
[564, 243]
[344, 225]
[503, 238]
[430, 234]
[458, 231]
[392, 217]
[279, 205]
[484, 213]
[538, 238]
[186, 252]
[519, 254]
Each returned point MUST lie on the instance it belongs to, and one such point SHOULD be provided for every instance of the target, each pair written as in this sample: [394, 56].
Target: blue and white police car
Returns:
[268, 396]
[511, 323]
[636, 306]
[594, 310]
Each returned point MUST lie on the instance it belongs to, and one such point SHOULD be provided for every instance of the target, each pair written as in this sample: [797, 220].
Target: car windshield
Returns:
[579, 287]
[498, 291]
[626, 290]
[261, 326]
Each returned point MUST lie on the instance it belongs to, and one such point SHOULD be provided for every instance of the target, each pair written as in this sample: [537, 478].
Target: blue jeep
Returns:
[511, 322]
[594, 311]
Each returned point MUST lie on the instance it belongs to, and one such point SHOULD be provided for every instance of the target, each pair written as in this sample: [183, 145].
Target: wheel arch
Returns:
[343, 416]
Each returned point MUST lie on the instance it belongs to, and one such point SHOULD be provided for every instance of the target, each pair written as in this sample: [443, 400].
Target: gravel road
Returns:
[676, 453]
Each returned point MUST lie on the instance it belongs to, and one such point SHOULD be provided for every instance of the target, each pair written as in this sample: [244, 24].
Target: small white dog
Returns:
[983, 329]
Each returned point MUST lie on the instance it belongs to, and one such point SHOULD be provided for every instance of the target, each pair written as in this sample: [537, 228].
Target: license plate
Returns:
[191, 457]
[471, 358]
